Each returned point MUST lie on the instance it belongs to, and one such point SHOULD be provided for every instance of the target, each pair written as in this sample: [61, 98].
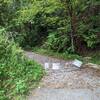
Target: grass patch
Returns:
[64, 56]
[17, 73]
[95, 56]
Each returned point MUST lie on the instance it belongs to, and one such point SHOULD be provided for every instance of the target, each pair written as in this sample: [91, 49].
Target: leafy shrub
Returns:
[57, 42]
[16, 71]
[90, 36]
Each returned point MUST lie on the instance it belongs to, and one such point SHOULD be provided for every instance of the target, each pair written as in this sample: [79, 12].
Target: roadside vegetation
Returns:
[17, 73]
[61, 55]
[89, 57]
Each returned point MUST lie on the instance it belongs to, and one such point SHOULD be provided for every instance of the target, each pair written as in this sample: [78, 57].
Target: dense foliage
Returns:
[37, 22]
[17, 73]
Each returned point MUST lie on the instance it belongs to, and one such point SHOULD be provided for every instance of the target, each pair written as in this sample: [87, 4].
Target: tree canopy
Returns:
[56, 24]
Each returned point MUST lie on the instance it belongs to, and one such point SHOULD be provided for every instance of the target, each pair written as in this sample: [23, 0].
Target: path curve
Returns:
[67, 83]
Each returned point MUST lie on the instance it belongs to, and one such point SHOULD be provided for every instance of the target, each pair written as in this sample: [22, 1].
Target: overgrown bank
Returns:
[17, 73]
[89, 57]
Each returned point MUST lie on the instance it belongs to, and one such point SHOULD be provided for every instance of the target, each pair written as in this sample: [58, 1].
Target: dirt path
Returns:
[66, 83]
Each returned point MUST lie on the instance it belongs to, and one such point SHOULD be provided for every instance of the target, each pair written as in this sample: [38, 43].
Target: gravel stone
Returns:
[68, 81]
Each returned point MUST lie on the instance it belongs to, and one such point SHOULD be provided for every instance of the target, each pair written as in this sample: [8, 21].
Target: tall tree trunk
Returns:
[72, 22]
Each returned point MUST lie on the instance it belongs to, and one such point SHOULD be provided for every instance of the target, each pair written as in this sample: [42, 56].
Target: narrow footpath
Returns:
[67, 82]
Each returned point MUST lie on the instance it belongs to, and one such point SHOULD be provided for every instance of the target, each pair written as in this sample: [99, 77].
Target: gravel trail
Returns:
[67, 82]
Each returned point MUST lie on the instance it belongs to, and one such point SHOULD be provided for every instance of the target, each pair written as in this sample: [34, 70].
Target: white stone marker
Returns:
[55, 66]
[46, 65]
[77, 63]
